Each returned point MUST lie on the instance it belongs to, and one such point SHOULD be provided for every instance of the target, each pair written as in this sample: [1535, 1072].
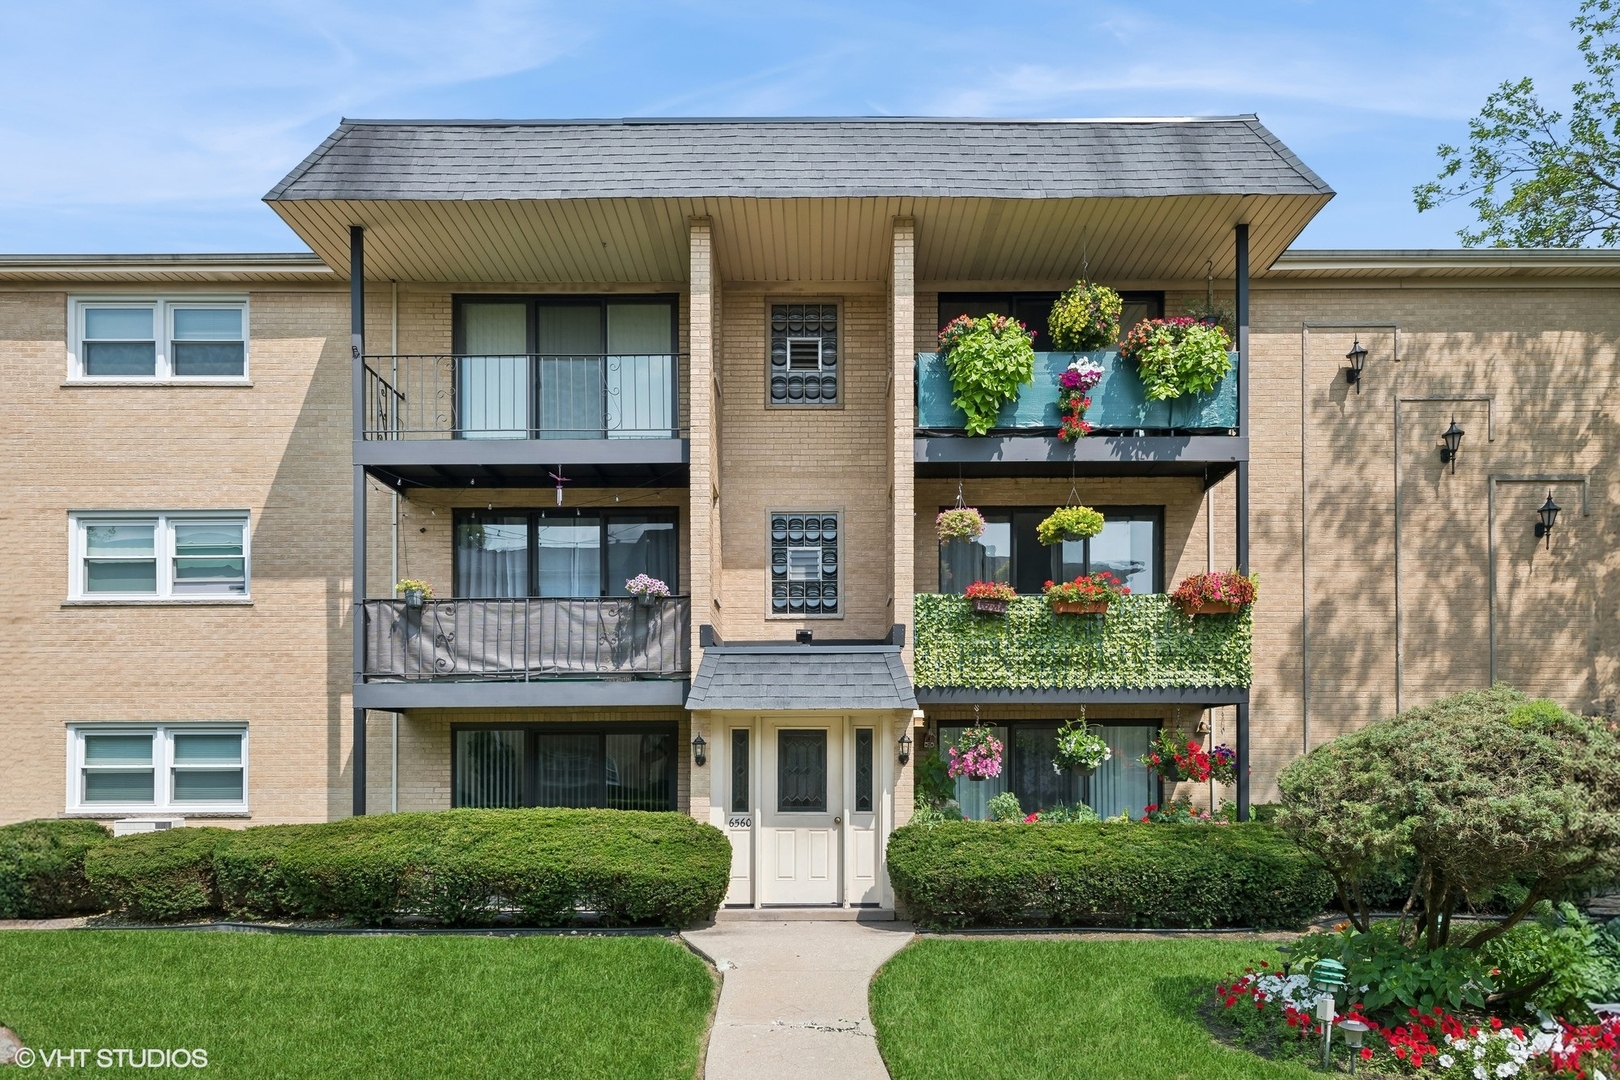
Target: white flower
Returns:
[1447, 1061]
[1507, 1068]
[1479, 1051]
[1479, 1072]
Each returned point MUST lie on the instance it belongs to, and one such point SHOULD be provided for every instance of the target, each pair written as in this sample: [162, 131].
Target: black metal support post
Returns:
[1241, 242]
[357, 350]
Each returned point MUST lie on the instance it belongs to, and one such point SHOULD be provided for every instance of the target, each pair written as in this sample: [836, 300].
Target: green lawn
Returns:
[981, 1009]
[423, 1007]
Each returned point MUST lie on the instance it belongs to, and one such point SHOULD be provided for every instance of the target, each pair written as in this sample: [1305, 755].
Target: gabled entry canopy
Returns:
[766, 678]
[607, 201]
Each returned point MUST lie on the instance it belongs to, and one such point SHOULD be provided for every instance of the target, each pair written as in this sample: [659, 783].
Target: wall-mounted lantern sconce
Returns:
[1203, 726]
[905, 749]
[1548, 515]
[1358, 360]
[699, 758]
[804, 637]
[1453, 437]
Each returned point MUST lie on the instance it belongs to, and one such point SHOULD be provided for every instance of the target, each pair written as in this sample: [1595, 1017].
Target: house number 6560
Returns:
[740, 823]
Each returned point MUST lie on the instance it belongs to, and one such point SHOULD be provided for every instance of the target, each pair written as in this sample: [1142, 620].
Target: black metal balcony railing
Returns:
[527, 639]
[522, 396]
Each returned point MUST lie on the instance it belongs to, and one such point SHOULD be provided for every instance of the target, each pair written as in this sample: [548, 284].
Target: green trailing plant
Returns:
[1470, 799]
[42, 868]
[1144, 642]
[1177, 357]
[1109, 874]
[1085, 317]
[1004, 807]
[1068, 523]
[988, 359]
[1078, 747]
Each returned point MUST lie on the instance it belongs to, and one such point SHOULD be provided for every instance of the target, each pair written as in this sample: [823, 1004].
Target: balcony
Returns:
[448, 419]
[1132, 436]
[538, 650]
[1144, 651]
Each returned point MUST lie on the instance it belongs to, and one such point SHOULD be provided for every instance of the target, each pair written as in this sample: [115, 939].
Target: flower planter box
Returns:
[414, 598]
[647, 599]
[986, 606]
[1080, 607]
[1215, 607]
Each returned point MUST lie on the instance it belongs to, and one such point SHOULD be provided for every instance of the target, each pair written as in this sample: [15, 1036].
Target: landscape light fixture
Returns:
[698, 756]
[1358, 360]
[905, 749]
[1453, 437]
[1548, 517]
[1354, 1032]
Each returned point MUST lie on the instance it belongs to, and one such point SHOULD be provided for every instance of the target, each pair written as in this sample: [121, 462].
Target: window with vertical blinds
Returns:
[623, 766]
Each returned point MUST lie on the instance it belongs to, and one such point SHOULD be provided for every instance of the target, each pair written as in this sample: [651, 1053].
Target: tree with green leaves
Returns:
[1535, 178]
[1476, 791]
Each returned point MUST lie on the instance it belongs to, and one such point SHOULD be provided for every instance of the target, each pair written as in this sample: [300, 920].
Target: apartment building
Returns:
[530, 361]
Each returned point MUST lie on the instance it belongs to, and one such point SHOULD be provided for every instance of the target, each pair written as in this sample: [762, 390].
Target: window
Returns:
[160, 340]
[1131, 547]
[804, 354]
[863, 770]
[739, 770]
[1121, 785]
[619, 766]
[130, 768]
[804, 563]
[1034, 309]
[185, 555]
[565, 368]
[563, 553]
[801, 771]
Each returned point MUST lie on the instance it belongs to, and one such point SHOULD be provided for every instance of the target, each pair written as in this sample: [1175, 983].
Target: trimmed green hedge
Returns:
[160, 875]
[42, 868]
[464, 867]
[1143, 642]
[1111, 874]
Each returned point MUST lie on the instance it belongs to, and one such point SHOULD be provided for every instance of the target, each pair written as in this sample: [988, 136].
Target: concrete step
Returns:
[817, 913]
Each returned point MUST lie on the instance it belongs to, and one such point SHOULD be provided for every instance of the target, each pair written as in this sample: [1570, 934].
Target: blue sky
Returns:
[139, 127]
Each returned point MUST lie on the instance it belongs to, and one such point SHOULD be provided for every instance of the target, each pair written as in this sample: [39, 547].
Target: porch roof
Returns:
[791, 677]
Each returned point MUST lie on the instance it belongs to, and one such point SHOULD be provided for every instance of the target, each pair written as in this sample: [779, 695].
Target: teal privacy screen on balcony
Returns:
[1143, 643]
[1116, 402]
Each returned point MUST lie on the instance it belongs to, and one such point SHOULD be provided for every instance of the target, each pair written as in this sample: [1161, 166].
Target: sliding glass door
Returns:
[561, 553]
[1122, 785]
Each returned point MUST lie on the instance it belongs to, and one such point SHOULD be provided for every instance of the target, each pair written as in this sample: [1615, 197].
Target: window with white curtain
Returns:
[159, 340]
[561, 553]
[119, 768]
[1121, 785]
[177, 555]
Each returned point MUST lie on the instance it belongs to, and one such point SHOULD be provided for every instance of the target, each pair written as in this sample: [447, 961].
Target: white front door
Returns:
[864, 798]
[802, 811]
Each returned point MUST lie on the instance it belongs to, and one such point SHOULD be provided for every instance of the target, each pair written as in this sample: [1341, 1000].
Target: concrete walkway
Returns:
[793, 997]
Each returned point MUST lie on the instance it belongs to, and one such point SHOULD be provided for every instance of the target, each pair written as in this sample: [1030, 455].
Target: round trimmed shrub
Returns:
[159, 876]
[42, 868]
[1110, 874]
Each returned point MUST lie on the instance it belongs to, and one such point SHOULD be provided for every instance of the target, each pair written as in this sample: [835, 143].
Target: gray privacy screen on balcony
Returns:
[526, 639]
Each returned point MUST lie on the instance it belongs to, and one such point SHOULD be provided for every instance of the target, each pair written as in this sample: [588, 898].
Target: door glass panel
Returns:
[492, 556]
[640, 771]
[492, 380]
[1124, 548]
[739, 770]
[489, 769]
[989, 558]
[974, 795]
[801, 771]
[1122, 784]
[570, 556]
[639, 545]
[640, 371]
[570, 371]
[863, 770]
[569, 769]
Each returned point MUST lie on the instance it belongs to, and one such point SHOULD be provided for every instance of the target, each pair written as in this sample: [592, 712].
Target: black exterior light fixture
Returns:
[1453, 437]
[1358, 360]
[905, 749]
[1548, 517]
[699, 758]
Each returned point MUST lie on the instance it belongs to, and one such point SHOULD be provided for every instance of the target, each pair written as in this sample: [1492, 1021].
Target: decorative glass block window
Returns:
[120, 768]
[804, 354]
[160, 340]
[804, 563]
[144, 556]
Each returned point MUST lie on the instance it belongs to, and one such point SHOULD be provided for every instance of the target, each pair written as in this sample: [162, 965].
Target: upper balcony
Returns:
[1132, 436]
[447, 420]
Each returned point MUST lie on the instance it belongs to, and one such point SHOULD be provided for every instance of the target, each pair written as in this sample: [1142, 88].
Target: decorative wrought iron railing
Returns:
[522, 396]
[1118, 403]
[527, 639]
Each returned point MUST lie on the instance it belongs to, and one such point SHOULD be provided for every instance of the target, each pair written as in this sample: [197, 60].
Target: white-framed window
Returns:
[169, 555]
[134, 768]
[159, 340]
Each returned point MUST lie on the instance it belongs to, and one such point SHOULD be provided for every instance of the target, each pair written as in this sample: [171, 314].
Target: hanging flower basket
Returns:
[1079, 750]
[976, 755]
[1085, 317]
[1068, 523]
[990, 597]
[959, 523]
[647, 590]
[415, 592]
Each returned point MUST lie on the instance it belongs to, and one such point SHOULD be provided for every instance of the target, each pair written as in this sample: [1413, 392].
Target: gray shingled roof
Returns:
[801, 677]
[868, 157]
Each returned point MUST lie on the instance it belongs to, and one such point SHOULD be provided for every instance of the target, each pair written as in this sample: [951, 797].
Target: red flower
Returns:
[1366, 1053]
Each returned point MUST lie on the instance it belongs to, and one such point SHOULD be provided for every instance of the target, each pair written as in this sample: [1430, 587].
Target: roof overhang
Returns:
[300, 267]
